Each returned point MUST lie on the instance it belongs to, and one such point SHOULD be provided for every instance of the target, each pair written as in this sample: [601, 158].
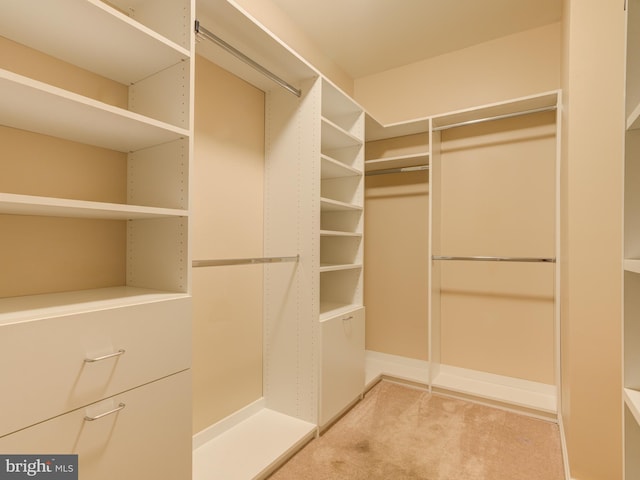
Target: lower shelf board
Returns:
[632, 400]
[252, 448]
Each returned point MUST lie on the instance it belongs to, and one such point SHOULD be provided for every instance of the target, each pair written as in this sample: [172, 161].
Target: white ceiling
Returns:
[368, 36]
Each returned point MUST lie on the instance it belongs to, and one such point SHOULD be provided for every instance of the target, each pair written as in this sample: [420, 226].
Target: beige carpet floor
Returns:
[402, 433]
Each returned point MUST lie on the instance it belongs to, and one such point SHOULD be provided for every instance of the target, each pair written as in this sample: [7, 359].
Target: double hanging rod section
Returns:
[200, 30]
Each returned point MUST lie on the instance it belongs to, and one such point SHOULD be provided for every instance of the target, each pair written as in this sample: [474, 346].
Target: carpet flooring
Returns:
[402, 433]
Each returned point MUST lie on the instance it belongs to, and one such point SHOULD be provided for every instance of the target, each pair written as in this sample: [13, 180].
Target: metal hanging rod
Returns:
[496, 259]
[242, 261]
[417, 168]
[496, 117]
[241, 56]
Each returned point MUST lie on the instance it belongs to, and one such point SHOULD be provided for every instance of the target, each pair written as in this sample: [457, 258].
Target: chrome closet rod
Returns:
[496, 117]
[417, 168]
[241, 56]
[242, 261]
[496, 259]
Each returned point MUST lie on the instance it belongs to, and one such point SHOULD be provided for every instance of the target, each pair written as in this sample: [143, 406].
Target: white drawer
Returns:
[150, 438]
[342, 340]
[44, 372]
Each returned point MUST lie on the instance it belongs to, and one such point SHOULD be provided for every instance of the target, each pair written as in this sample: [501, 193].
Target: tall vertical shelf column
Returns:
[341, 225]
[631, 312]
[97, 250]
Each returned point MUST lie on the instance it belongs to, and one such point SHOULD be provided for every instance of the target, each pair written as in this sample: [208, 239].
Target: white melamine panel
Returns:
[291, 200]
[516, 106]
[332, 168]
[91, 35]
[150, 437]
[327, 205]
[334, 137]
[15, 204]
[174, 108]
[159, 176]
[37, 107]
[52, 352]
[631, 330]
[632, 97]
[342, 363]
[631, 445]
[329, 267]
[399, 161]
[376, 131]
[170, 18]
[270, 436]
[157, 254]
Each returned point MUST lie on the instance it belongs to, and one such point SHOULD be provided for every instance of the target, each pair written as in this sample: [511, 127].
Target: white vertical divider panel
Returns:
[433, 268]
[174, 107]
[292, 223]
[168, 17]
[157, 254]
[159, 176]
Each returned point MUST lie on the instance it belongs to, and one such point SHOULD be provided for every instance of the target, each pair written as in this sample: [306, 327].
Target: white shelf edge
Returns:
[327, 204]
[270, 436]
[86, 121]
[36, 307]
[346, 170]
[338, 233]
[97, 35]
[335, 268]
[351, 140]
[631, 265]
[398, 161]
[633, 120]
[632, 400]
[16, 204]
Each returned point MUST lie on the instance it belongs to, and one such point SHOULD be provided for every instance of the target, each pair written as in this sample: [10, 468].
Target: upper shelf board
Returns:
[15, 204]
[519, 105]
[376, 131]
[34, 106]
[90, 34]
[236, 27]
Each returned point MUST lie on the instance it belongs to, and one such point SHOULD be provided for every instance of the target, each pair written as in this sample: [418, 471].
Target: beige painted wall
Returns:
[593, 82]
[227, 201]
[397, 310]
[77, 253]
[522, 64]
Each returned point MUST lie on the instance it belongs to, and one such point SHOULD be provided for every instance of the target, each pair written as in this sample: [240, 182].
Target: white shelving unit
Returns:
[397, 161]
[631, 264]
[69, 315]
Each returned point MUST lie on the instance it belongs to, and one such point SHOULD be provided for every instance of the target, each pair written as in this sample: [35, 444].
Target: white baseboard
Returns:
[227, 423]
[532, 398]
[380, 364]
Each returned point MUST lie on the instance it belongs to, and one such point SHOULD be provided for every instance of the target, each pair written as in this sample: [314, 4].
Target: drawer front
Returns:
[342, 363]
[150, 438]
[43, 367]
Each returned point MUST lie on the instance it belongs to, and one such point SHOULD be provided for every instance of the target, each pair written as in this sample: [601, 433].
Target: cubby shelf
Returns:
[332, 168]
[327, 204]
[334, 136]
[632, 400]
[95, 36]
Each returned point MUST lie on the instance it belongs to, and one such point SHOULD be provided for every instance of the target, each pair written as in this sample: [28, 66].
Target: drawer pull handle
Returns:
[104, 357]
[350, 317]
[110, 412]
